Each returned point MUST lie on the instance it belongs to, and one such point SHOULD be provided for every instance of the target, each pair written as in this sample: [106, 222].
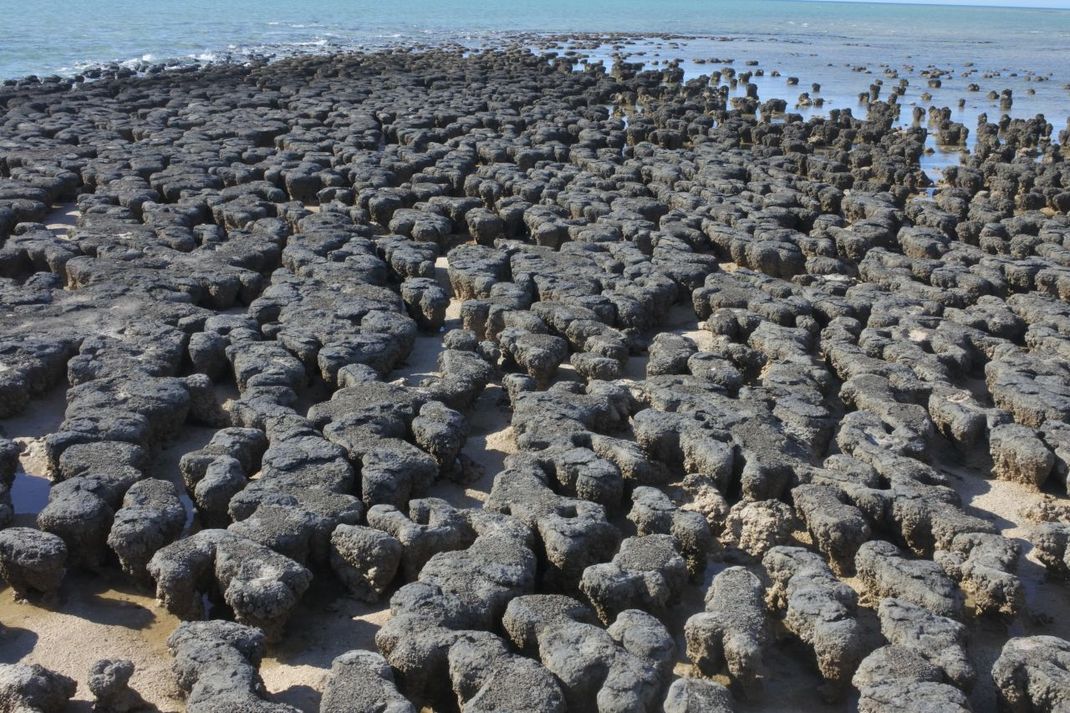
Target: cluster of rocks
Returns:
[32, 688]
[281, 230]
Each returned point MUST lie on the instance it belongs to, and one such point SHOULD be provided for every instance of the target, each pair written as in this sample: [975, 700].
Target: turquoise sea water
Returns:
[45, 36]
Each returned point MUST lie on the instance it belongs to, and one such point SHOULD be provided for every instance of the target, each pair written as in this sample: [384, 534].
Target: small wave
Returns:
[133, 62]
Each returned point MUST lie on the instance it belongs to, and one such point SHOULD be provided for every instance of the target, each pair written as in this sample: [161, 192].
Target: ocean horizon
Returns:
[1013, 39]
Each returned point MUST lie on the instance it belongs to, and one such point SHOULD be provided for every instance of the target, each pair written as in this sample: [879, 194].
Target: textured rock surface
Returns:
[503, 379]
[34, 689]
[32, 562]
[109, 681]
[1031, 674]
[733, 632]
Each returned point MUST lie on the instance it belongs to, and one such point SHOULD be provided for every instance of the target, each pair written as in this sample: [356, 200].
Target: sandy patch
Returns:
[62, 219]
[95, 617]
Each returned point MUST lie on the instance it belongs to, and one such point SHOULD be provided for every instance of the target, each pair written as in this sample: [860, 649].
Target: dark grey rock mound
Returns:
[34, 689]
[217, 667]
[32, 562]
[362, 681]
[1031, 674]
[733, 632]
[109, 682]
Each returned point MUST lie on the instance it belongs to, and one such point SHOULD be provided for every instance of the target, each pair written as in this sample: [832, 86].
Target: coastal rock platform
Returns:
[496, 380]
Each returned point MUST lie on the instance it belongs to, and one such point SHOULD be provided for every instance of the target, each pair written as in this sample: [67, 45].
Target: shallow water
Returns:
[29, 493]
[43, 415]
[47, 37]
